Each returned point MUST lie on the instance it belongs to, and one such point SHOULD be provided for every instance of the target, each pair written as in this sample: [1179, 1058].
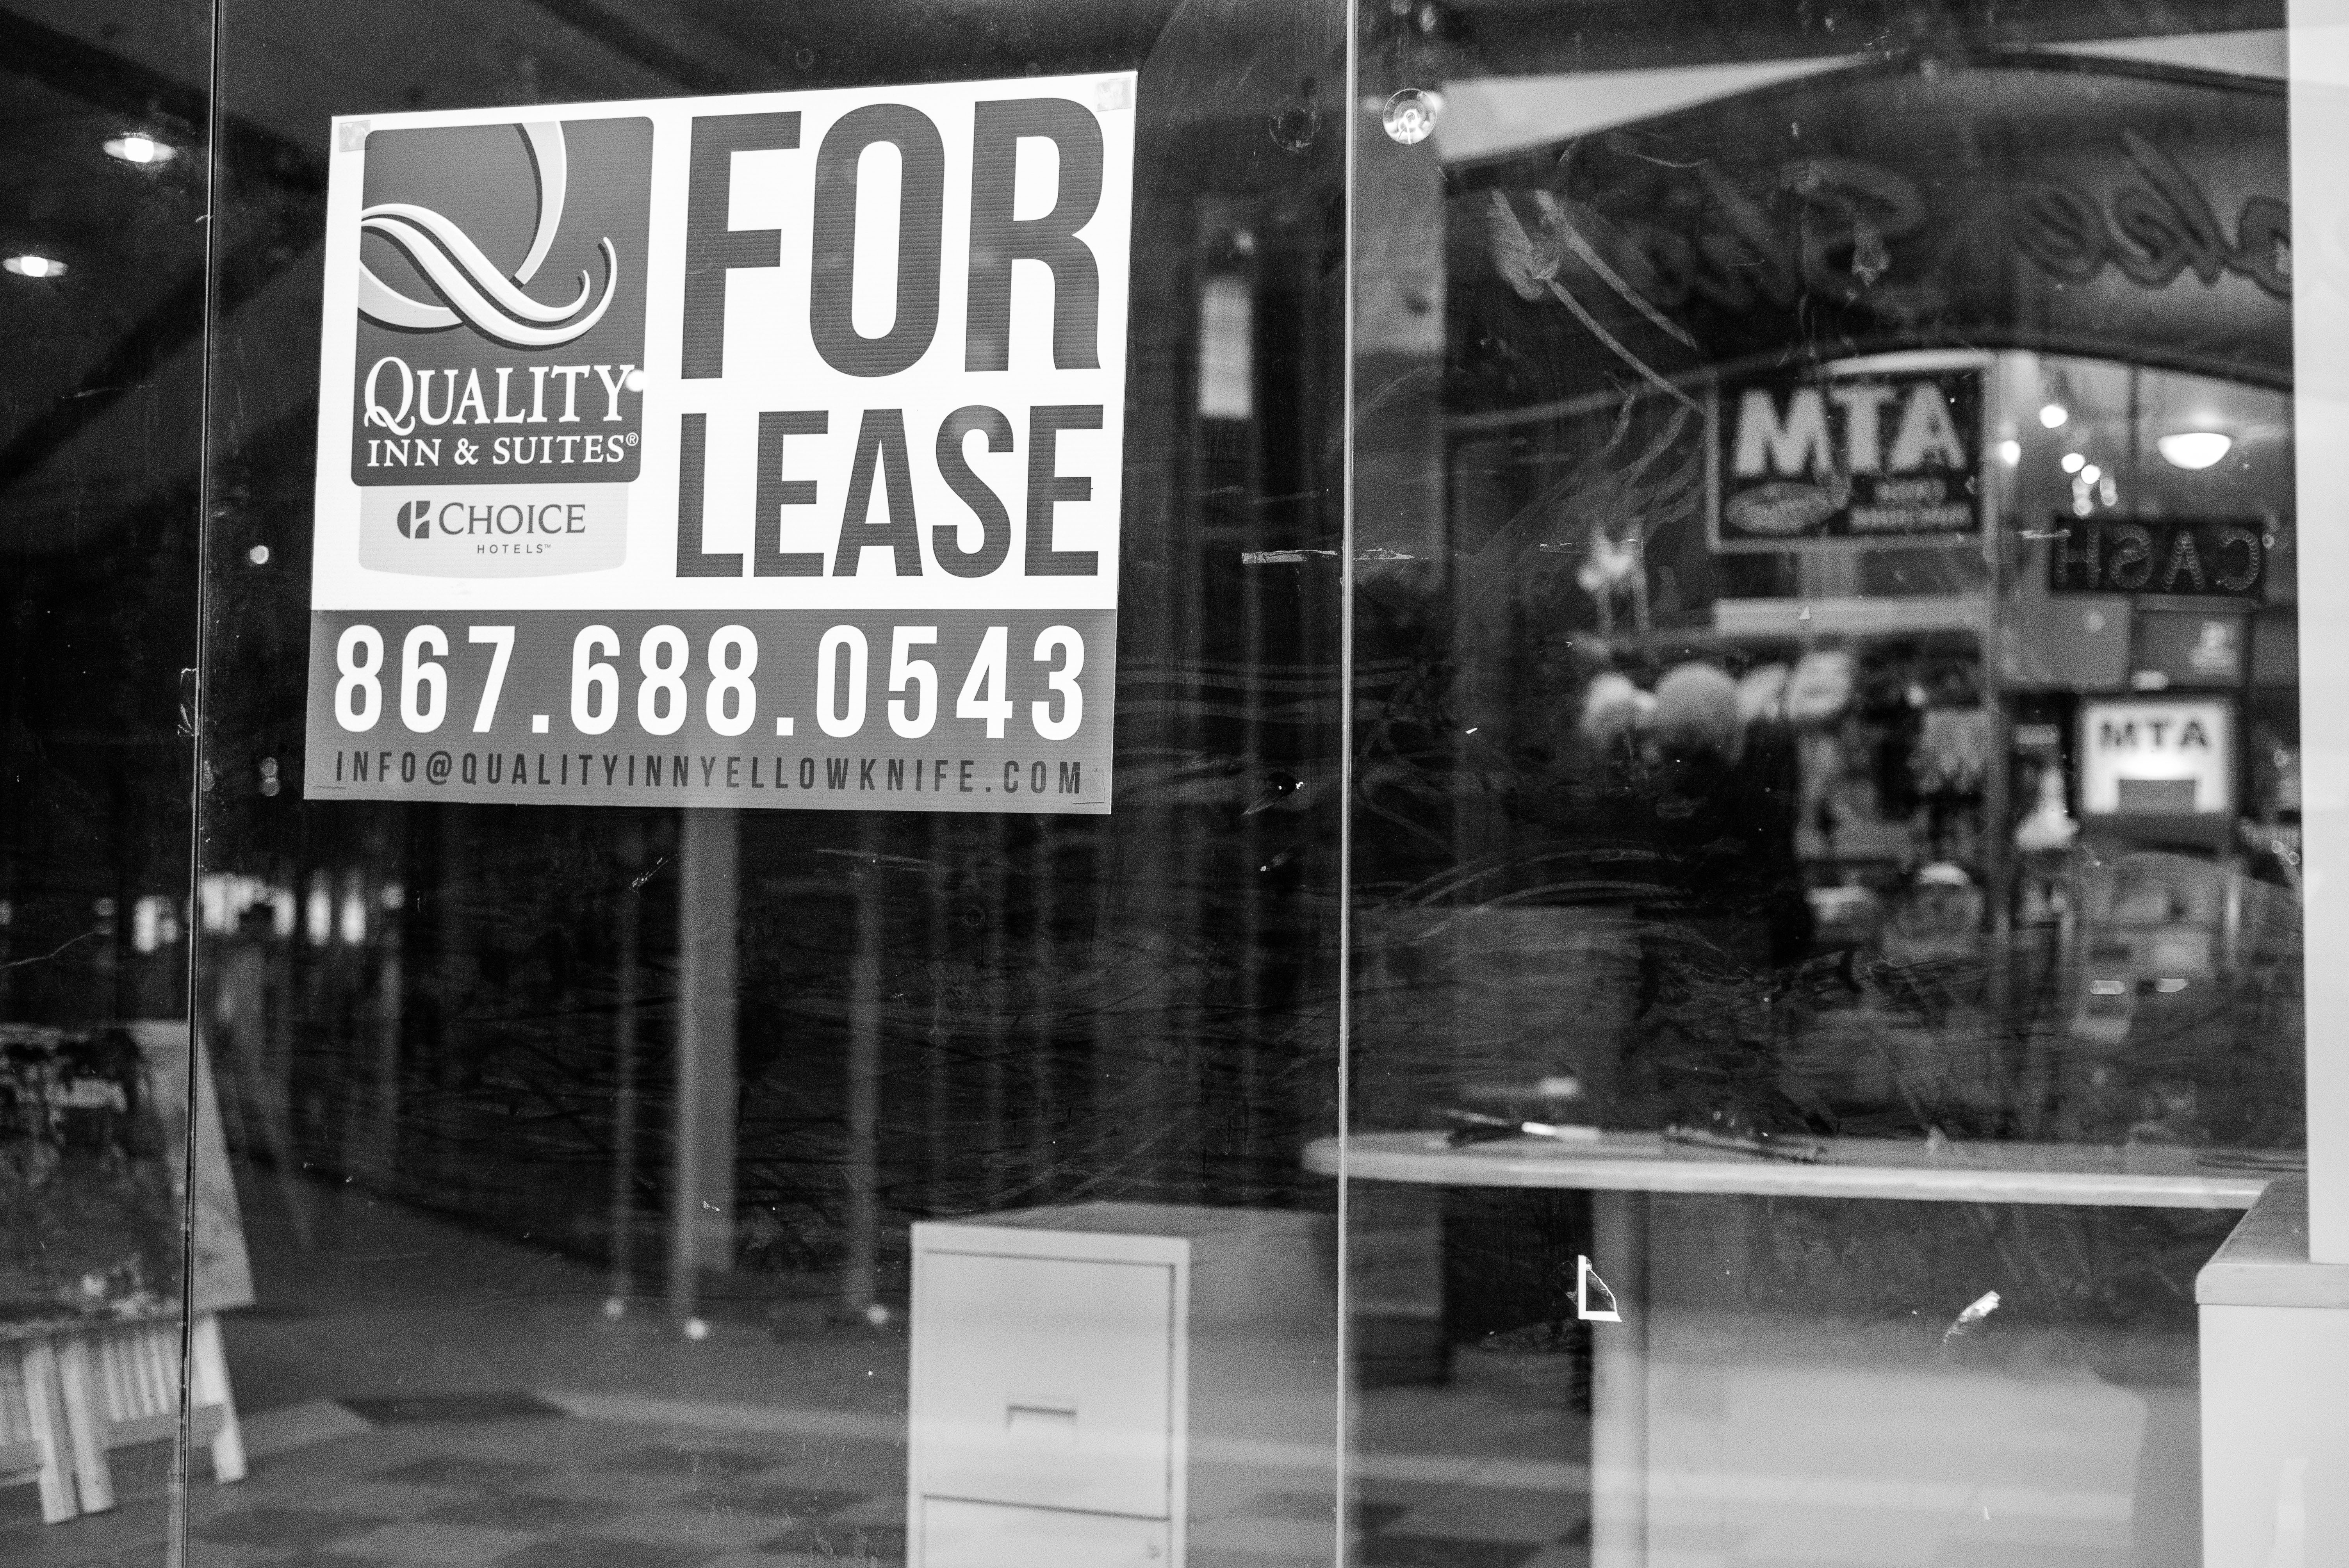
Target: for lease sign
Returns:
[759, 451]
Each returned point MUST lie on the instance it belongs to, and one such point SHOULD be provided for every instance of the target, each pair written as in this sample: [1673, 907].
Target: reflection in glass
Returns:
[1827, 804]
[634, 1182]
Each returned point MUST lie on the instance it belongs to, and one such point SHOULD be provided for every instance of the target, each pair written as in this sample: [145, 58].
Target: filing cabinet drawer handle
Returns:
[1045, 1418]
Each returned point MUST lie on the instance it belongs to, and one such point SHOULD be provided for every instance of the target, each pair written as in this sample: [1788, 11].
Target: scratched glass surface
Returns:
[1825, 942]
[101, 303]
[582, 1150]
[1824, 816]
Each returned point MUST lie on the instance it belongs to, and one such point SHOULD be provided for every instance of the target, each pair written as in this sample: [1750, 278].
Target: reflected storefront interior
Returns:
[1473, 783]
[1832, 661]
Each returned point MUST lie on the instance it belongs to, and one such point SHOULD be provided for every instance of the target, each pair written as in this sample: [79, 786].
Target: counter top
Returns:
[2264, 1262]
[1894, 1169]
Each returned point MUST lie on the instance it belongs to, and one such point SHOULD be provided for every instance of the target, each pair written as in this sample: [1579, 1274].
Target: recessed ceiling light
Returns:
[35, 266]
[2073, 462]
[2054, 416]
[138, 148]
[2009, 453]
[2192, 449]
[2091, 474]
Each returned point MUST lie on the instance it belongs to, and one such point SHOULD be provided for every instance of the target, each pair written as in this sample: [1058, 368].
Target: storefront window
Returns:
[678, 1109]
[1825, 952]
[1472, 783]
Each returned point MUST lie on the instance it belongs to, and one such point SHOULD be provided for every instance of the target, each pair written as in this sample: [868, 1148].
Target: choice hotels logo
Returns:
[480, 530]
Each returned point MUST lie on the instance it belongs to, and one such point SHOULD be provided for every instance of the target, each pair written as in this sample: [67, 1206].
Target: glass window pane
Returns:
[793, 952]
[960, 798]
[103, 142]
[1826, 964]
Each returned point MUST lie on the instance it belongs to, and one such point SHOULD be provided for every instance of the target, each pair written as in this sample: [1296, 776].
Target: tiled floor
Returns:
[392, 1360]
[551, 1490]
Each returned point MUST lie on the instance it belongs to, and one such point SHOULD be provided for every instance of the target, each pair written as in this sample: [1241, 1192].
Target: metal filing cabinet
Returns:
[1074, 1368]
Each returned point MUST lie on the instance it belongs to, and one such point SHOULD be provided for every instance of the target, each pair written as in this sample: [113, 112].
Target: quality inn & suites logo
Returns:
[497, 407]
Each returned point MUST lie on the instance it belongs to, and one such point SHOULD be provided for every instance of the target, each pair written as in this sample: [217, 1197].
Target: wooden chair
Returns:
[121, 1387]
[33, 1442]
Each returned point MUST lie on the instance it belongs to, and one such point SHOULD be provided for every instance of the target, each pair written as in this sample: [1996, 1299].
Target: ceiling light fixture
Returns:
[35, 266]
[139, 149]
[2073, 462]
[2193, 449]
[2009, 453]
[2054, 416]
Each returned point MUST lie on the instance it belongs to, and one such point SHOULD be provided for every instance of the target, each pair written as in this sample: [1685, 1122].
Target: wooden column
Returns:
[702, 1186]
[860, 1284]
[2320, 328]
[625, 1133]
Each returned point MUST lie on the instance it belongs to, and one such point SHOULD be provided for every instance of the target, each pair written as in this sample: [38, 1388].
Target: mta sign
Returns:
[1886, 451]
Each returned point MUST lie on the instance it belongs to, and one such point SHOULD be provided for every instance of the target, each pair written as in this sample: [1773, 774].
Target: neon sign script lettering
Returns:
[2154, 230]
